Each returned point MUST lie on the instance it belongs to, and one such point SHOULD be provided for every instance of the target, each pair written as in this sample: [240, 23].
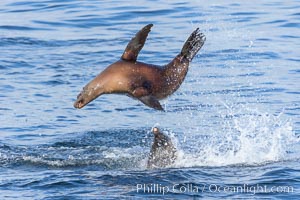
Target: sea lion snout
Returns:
[155, 131]
[79, 103]
[87, 95]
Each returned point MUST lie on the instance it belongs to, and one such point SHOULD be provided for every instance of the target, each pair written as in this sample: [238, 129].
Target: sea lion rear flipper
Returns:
[193, 44]
[151, 101]
[136, 44]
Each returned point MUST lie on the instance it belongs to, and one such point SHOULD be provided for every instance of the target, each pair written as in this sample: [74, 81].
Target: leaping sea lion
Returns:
[145, 82]
[163, 153]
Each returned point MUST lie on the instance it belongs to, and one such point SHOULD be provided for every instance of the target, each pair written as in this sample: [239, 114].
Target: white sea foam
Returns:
[249, 139]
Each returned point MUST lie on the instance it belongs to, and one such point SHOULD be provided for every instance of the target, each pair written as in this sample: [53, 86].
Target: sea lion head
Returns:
[160, 138]
[163, 152]
[90, 92]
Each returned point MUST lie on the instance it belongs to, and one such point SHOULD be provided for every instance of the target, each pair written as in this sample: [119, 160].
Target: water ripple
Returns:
[22, 28]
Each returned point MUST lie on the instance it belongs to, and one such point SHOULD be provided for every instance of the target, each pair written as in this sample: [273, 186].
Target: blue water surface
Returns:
[235, 119]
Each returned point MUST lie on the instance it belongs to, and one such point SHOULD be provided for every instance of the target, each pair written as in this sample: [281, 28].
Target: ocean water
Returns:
[235, 119]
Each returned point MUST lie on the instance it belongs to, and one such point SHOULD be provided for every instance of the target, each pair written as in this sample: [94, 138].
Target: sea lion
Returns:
[145, 82]
[163, 153]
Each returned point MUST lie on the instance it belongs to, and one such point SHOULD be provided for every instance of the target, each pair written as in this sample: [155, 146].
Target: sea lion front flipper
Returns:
[151, 101]
[136, 44]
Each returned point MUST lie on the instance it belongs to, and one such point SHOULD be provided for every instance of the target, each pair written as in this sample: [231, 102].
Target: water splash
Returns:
[246, 137]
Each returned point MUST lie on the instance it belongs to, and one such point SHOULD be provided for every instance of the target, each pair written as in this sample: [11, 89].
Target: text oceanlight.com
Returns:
[213, 188]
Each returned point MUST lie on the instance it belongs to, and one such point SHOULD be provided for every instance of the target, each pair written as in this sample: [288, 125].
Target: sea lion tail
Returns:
[193, 44]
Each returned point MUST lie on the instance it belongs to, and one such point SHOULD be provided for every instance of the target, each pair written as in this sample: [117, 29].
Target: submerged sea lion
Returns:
[145, 82]
[163, 152]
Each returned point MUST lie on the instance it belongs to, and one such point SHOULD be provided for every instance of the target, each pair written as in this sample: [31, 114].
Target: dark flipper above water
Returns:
[136, 44]
[193, 44]
[163, 152]
[152, 102]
